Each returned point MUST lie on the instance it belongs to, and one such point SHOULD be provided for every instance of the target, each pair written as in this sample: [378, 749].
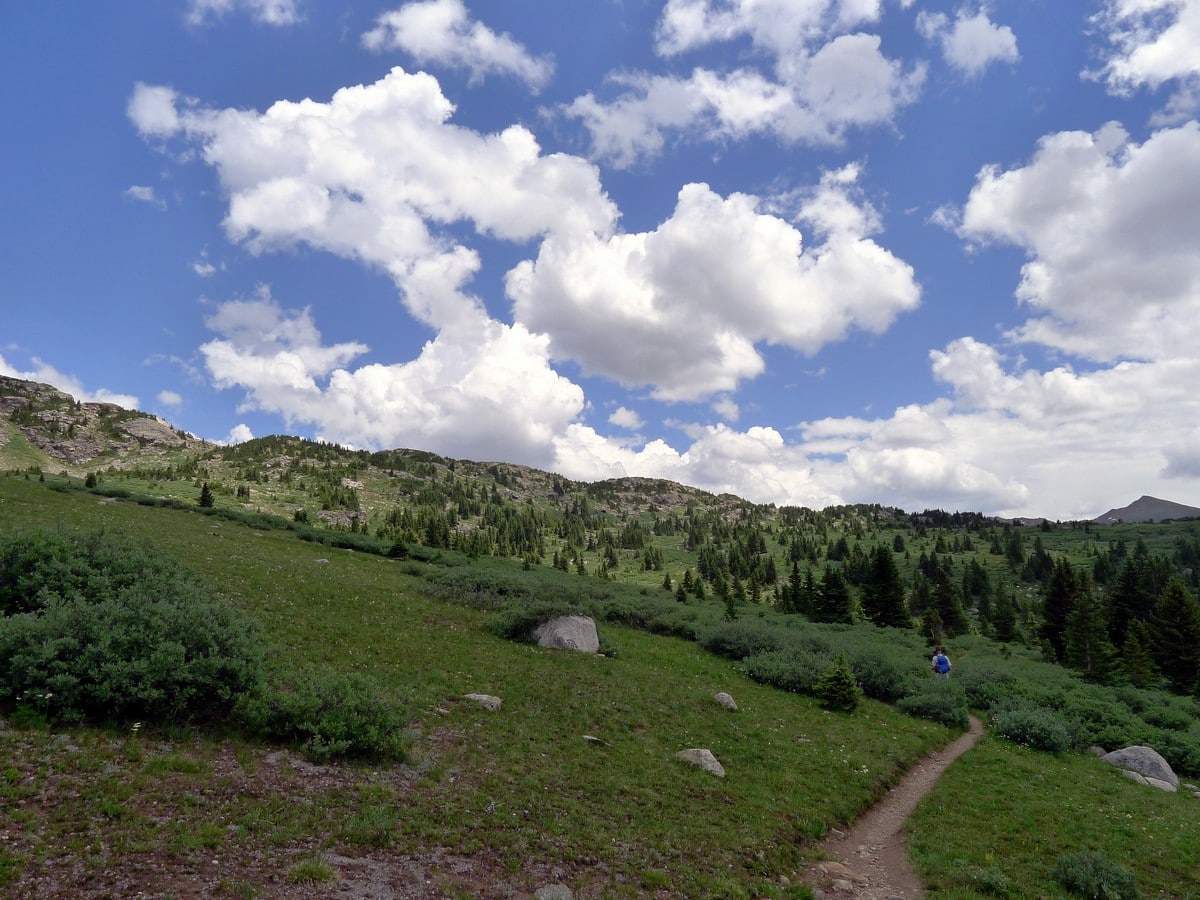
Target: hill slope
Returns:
[1148, 509]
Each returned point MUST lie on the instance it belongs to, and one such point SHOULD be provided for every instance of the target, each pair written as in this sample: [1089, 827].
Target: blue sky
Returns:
[808, 252]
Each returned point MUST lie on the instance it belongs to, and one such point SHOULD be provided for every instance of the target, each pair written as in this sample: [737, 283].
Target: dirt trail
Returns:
[870, 862]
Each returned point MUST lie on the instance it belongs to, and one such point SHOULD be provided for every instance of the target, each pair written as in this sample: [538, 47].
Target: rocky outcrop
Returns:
[569, 633]
[1145, 766]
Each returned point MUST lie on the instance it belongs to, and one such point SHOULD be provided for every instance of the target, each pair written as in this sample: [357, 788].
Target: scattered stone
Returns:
[592, 739]
[840, 871]
[703, 758]
[485, 700]
[321, 560]
[554, 892]
[1098, 752]
[569, 633]
[726, 701]
[1146, 762]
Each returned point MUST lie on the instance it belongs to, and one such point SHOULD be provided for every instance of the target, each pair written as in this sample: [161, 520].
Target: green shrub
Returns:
[880, 676]
[1089, 873]
[1031, 726]
[116, 631]
[939, 701]
[986, 684]
[327, 716]
[794, 670]
[1181, 749]
[518, 622]
[837, 688]
[743, 639]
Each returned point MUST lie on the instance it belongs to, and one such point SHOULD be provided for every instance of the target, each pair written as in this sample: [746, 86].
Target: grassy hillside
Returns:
[494, 804]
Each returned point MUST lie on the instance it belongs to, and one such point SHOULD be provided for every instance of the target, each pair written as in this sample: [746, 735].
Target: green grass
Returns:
[515, 786]
[998, 821]
[521, 791]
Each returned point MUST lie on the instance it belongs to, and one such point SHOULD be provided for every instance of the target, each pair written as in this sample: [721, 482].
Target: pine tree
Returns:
[206, 497]
[1137, 659]
[1004, 615]
[1175, 637]
[837, 688]
[883, 591]
[834, 602]
[948, 603]
[1058, 600]
[1085, 637]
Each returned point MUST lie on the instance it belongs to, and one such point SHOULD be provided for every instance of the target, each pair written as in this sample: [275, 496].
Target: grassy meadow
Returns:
[573, 781]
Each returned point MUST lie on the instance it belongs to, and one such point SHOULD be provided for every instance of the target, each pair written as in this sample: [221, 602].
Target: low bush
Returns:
[743, 639]
[939, 701]
[327, 716]
[109, 630]
[881, 677]
[1031, 726]
[796, 670]
[985, 684]
[1091, 874]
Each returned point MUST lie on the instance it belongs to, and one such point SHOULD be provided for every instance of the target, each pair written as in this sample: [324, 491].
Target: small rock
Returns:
[703, 758]
[554, 892]
[486, 701]
[726, 701]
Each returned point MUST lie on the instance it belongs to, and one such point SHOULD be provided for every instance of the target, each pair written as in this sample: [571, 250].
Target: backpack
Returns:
[942, 662]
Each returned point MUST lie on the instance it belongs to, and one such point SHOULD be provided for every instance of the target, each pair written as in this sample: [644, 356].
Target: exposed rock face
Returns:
[1145, 766]
[703, 758]
[569, 633]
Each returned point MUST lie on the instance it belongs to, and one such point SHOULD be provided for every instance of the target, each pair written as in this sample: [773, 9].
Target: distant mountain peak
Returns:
[1148, 509]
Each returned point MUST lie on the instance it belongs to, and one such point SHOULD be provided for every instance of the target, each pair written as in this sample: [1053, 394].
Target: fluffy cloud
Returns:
[624, 417]
[482, 384]
[970, 43]
[442, 32]
[1109, 227]
[823, 80]
[169, 398]
[379, 174]
[144, 194]
[269, 12]
[1154, 42]
[681, 308]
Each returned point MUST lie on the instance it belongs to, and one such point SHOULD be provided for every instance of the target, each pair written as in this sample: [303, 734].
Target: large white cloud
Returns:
[1153, 43]
[442, 32]
[970, 43]
[1110, 229]
[681, 308]
[481, 390]
[824, 79]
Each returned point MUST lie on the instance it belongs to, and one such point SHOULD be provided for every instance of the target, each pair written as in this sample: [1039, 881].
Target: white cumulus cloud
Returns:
[442, 32]
[971, 42]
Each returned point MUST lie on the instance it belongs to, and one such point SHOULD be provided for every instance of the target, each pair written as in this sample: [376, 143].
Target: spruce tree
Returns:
[1058, 600]
[1004, 615]
[1137, 657]
[206, 497]
[948, 603]
[834, 601]
[883, 591]
[1175, 637]
[1085, 637]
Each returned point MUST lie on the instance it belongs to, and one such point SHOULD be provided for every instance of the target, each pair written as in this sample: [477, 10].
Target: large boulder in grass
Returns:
[569, 633]
[1145, 766]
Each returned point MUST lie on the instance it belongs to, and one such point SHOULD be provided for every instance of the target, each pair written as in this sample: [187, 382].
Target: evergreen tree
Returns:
[1085, 637]
[837, 688]
[206, 497]
[1004, 615]
[948, 603]
[1057, 602]
[1175, 637]
[834, 602]
[1137, 658]
[883, 591]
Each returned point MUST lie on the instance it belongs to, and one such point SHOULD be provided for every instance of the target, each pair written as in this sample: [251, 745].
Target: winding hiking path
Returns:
[870, 862]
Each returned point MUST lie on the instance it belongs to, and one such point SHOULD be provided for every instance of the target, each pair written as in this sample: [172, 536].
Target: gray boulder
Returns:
[569, 633]
[726, 701]
[1147, 763]
[704, 759]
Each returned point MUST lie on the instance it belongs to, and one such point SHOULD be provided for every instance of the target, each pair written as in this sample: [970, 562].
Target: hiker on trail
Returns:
[940, 664]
